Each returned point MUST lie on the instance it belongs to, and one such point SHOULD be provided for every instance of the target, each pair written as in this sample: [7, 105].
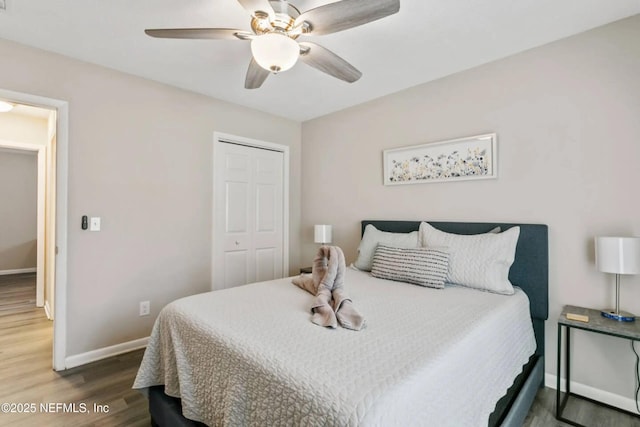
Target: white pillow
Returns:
[372, 237]
[480, 261]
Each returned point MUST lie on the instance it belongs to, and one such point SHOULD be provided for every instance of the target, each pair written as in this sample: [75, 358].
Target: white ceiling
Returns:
[426, 40]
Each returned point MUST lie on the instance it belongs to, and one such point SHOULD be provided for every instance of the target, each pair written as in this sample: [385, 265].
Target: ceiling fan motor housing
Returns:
[283, 19]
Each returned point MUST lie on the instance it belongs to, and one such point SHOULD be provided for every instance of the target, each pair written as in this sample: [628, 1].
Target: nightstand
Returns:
[598, 324]
[305, 270]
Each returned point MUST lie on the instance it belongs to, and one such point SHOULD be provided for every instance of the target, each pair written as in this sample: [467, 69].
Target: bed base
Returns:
[511, 409]
[523, 400]
[166, 411]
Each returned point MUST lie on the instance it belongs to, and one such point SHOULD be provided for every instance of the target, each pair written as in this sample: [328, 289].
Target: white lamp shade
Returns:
[619, 255]
[275, 52]
[322, 233]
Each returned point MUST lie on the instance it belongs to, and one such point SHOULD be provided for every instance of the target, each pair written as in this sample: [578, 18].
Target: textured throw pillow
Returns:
[420, 266]
[372, 237]
[480, 261]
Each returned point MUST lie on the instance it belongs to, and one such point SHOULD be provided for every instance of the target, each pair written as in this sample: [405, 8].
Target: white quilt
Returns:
[251, 356]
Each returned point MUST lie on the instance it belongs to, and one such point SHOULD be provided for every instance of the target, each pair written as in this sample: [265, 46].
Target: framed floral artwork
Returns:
[473, 157]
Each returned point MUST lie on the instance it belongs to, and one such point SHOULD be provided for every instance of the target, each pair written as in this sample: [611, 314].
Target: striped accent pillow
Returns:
[420, 266]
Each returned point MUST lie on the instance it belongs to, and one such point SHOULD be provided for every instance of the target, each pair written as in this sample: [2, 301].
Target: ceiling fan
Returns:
[275, 27]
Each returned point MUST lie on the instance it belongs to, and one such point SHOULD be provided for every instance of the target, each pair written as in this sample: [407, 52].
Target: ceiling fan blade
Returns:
[256, 75]
[328, 62]
[200, 33]
[344, 14]
[254, 6]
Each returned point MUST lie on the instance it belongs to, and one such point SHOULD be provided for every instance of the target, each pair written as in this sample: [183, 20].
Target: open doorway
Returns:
[37, 127]
[27, 151]
[27, 221]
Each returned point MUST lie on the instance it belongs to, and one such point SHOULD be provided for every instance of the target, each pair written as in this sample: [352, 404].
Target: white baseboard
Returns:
[18, 271]
[103, 353]
[47, 310]
[612, 399]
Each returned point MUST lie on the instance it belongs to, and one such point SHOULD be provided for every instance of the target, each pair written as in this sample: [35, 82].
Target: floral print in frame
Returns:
[455, 160]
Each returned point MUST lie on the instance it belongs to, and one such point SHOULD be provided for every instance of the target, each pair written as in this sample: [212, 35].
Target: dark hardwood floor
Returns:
[17, 293]
[542, 413]
[26, 378]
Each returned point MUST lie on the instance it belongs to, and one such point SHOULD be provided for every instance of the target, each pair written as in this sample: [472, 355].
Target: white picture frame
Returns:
[461, 159]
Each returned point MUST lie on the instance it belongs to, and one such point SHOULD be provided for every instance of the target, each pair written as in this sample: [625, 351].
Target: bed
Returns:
[293, 384]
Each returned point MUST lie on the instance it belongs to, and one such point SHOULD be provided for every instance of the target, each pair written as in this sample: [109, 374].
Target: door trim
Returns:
[62, 158]
[220, 138]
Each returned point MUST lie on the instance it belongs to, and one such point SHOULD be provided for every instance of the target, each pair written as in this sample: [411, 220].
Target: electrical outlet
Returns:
[145, 308]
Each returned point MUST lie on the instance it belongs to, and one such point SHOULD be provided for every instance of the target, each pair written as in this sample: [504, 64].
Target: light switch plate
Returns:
[94, 224]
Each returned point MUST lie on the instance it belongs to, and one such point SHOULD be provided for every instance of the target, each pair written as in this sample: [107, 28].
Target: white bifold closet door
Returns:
[248, 229]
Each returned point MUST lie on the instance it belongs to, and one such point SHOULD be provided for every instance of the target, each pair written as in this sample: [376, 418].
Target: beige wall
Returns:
[140, 157]
[18, 171]
[566, 115]
[18, 209]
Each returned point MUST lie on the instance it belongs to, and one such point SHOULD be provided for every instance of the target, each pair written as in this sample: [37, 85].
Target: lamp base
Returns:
[622, 316]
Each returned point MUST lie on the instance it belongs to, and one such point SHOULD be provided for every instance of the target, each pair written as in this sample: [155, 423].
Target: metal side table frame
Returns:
[598, 324]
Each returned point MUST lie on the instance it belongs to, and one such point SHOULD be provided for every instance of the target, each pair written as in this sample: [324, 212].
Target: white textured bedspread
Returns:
[250, 356]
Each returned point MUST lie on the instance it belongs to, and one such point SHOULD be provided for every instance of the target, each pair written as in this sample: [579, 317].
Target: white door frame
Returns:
[218, 139]
[41, 152]
[62, 156]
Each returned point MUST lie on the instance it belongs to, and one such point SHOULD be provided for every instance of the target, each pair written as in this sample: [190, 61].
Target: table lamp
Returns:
[618, 255]
[322, 234]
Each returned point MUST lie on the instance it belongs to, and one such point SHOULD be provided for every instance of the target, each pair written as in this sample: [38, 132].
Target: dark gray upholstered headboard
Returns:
[530, 270]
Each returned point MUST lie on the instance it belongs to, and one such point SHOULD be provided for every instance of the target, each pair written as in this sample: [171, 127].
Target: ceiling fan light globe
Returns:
[275, 52]
[5, 107]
